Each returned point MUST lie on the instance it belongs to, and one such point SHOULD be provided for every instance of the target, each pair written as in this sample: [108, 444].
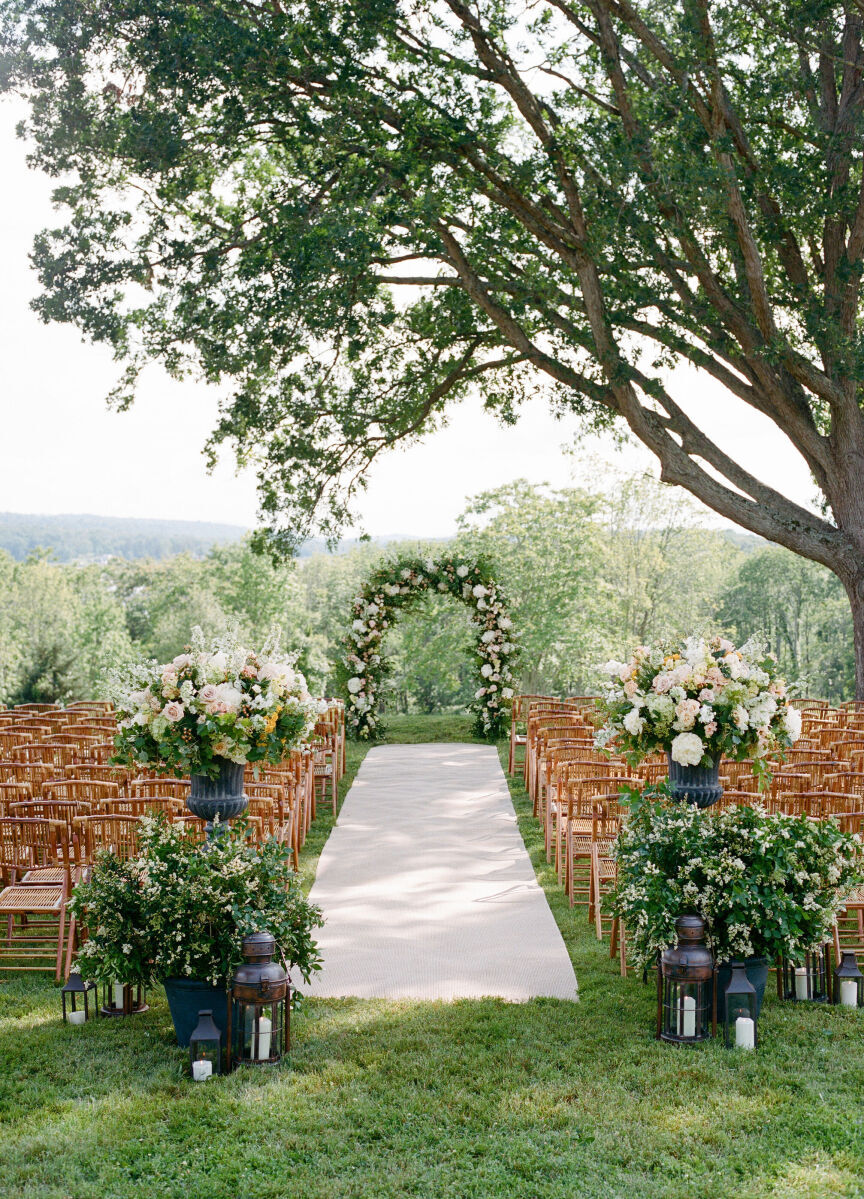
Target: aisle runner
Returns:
[427, 888]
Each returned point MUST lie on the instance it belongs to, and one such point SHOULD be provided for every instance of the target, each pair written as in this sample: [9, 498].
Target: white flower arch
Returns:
[393, 586]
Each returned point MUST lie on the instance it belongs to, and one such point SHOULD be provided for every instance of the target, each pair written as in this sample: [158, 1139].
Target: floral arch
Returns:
[394, 586]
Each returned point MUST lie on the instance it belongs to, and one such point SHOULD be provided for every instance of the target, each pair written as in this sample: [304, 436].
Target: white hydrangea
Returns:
[633, 722]
[462, 571]
[355, 685]
[687, 749]
[792, 723]
[478, 591]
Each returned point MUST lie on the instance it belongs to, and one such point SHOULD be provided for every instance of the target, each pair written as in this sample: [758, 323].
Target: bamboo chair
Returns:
[604, 872]
[155, 787]
[116, 834]
[77, 790]
[63, 810]
[34, 774]
[849, 926]
[589, 824]
[15, 792]
[32, 907]
[143, 805]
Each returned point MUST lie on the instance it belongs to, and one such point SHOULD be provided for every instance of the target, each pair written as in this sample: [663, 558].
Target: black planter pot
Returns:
[699, 785]
[189, 996]
[756, 970]
[221, 797]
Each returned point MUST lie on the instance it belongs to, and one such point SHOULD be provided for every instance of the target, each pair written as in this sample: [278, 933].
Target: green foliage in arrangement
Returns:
[178, 911]
[766, 885]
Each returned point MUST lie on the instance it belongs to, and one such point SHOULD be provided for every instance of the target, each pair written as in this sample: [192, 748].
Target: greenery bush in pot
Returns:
[183, 913]
[765, 885]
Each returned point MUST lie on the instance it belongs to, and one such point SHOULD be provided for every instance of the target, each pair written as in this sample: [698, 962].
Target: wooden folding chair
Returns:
[36, 867]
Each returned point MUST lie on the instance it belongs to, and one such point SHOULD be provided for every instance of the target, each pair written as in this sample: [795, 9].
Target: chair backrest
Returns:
[65, 811]
[117, 834]
[91, 791]
[176, 788]
[28, 842]
[143, 805]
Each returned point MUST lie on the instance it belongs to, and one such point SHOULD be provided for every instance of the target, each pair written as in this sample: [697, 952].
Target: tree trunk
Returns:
[855, 591]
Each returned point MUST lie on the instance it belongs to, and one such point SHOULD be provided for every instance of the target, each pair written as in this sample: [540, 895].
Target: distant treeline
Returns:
[96, 538]
[588, 576]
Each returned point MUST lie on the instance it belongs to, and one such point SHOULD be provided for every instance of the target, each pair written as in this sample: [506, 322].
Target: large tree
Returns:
[351, 211]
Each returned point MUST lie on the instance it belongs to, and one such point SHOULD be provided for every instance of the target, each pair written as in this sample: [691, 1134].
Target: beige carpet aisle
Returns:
[427, 889]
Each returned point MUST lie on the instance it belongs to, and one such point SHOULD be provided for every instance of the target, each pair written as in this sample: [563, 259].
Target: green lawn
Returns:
[544, 1100]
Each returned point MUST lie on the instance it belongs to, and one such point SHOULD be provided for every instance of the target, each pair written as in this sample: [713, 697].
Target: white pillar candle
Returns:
[202, 1070]
[76, 1017]
[745, 1033]
[687, 1017]
[118, 990]
[265, 1028]
[800, 982]
[848, 992]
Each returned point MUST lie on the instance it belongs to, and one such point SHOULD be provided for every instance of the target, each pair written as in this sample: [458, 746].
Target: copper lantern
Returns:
[685, 986]
[258, 1006]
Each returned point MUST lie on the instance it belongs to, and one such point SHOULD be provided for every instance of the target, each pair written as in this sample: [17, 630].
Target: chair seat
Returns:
[43, 876]
[31, 899]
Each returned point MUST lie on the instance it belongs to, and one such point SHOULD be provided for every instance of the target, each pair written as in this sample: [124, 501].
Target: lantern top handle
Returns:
[258, 945]
[690, 928]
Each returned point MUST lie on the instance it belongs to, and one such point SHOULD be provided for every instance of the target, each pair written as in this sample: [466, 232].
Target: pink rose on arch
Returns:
[630, 688]
[207, 693]
[710, 728]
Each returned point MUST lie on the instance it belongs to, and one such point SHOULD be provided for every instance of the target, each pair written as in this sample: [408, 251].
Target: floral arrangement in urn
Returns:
[211, 704]
[385, 593]
[698, 701]
[765, 884]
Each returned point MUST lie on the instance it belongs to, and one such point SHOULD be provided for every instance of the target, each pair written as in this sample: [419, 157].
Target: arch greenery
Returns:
[396, 584]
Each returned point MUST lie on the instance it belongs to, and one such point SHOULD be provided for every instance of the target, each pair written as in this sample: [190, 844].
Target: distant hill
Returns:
[74, 538]
[94, 538]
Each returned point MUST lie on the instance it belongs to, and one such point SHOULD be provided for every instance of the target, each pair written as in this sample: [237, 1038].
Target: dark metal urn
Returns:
[221, 798]
[699, 785]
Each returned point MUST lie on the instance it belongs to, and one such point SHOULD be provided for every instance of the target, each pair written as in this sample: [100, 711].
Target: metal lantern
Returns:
[123, 999]
[259, 1030]
[205, 1047]
[685, 986]
[810, 981]
[848, 981]
[75, 988]
[740, 1006]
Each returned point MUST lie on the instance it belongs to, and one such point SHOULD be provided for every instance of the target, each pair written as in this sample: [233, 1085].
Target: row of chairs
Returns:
[56, 816]
[575, 792]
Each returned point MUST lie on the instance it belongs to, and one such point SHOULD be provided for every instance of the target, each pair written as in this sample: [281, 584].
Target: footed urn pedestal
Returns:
[699, 785]
[219, 799]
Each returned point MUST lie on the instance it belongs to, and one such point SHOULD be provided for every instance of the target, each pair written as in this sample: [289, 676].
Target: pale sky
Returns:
[63, 451]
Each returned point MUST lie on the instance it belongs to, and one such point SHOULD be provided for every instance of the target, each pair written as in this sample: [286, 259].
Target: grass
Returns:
[543, 1100]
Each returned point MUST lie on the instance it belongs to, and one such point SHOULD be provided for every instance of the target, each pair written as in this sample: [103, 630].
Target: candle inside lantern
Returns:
[118, 989]
[687, 1018]
[849, 992]
[745, 1033]
[75, 1017]
[202, 1070]
[800, 982]
[265, 1028]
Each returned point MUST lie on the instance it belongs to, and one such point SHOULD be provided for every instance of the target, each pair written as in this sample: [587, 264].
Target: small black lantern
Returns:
[123, 999]
[205, 1048]
[75, 989]
[685, 986]
[848, 981]
[258, 1006]
[740, 1029]
[810, 981]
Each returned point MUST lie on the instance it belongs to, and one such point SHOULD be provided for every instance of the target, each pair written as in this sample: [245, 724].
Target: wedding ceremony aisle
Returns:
[427, 889]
